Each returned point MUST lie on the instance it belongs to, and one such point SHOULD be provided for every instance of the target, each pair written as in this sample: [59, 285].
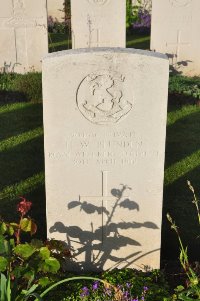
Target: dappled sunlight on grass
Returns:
[180, 168]
[181, 112]
[23, 187]
[140, 43]
[21, 138]
[5, 108]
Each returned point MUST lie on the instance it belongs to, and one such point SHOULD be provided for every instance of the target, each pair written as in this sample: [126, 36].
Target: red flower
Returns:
[24, 206]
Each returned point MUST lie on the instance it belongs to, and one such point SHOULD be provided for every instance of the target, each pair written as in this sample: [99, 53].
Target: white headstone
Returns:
[98, 23]
[104, 127]
[175, 31]
[55, 10]
[23, 35]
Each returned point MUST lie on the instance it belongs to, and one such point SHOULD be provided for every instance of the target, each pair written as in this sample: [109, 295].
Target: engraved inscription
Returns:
[98, 2]
[100, 98]
[179, 3]
[116, 148]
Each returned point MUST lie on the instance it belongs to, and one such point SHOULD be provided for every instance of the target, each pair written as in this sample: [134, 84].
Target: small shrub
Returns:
[29, 84]
[25, 266]
[21, 87]
[132, 12]
[185, 89]
[54, 26]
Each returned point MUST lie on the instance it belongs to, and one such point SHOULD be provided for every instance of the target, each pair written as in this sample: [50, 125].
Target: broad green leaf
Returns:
[3, 228]
[14, 225]
[25, 224]
[3, 264]
[18, 271]
[36, 243]
[51, 265]
[12, 243]
[29, 275]
[3, 286]
[24, 250]
[44, 253]
[44, 281]
[179, 288]
[2, 245]
[11, 230]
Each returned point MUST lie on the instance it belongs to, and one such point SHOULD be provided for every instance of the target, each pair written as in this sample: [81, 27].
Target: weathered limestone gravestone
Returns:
[175, 31]
[23, 35]
[104, 127]
[98, 23]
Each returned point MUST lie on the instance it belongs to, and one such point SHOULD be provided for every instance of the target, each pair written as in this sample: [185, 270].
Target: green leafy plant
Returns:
[132, 12]
[21, 87]
[30, 85]
[187, 86]
[26, 265]
[192, 292]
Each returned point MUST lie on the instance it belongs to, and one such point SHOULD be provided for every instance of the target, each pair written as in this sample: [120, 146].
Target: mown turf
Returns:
[182, 163]
[58, 42]
[22, 159]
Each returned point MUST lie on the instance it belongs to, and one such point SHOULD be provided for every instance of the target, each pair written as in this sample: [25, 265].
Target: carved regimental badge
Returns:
[100, 98]
[98, 2]
[179, 3]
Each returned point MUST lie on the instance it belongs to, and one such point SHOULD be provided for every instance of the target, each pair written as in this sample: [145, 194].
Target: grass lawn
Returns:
[22, 162]
[58, 42]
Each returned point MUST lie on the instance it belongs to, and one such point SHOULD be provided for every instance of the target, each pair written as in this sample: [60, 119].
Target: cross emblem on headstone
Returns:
[104, 197]
[178, 44]
[94, 34]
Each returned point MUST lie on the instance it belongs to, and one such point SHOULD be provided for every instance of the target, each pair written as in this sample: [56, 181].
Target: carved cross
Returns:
[178, 44]
[17, 22]
[104, 197]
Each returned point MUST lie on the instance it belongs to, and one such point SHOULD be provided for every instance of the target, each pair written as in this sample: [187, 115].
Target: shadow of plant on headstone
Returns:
[177, 67]
[97, 244]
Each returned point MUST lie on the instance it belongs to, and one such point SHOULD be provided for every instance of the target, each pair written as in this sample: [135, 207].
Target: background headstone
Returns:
[175, 31]
[55, 10]
[104, 129]
[98, 23]
[23, 35]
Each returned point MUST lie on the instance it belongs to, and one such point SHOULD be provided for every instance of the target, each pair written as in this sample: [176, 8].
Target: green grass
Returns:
[138, 41]
[58, 42]
[182, 163]
[22, 159]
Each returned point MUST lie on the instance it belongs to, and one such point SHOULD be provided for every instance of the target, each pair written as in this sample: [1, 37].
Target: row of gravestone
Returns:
[97, 23]
[104, 134]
